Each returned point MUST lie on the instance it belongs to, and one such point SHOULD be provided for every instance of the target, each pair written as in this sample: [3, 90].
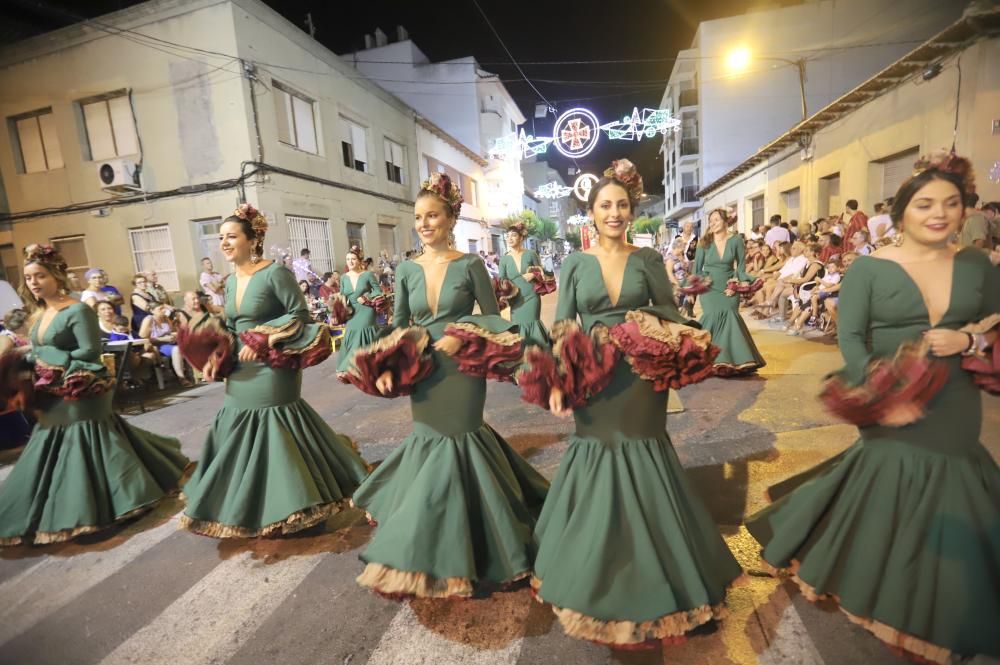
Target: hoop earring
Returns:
[254, 258]
[898, 240]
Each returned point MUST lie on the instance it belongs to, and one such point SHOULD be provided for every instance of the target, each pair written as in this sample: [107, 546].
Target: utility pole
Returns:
[310, 25]
[801, 64]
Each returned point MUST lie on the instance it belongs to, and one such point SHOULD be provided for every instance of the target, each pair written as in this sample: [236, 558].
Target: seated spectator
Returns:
[788, 277]
[810, 299]
[197, 304]
[317, 306]
[106, 319]
[160, 329]
[15, 326]
[141, 300]
[860, 244]
[832, 300]
[754, 258]
[975, 229]
[75, 287]
[830, 246]
[764, 257]
[95, 293]
[991, 211]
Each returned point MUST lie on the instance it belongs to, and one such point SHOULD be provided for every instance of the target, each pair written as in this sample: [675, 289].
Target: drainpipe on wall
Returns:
[249, 72]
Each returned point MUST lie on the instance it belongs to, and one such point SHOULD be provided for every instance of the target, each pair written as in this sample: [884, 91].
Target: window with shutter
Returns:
[35, 142]
[110, 126]
[153, 251]
[296, 119]
[896, 169]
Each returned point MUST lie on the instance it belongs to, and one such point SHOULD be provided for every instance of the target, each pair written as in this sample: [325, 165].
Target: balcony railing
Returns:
[689, 194]
[689, 146]
[688, 98]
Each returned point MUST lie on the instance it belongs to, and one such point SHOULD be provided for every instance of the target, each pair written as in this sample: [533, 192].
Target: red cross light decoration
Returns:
[576, 132]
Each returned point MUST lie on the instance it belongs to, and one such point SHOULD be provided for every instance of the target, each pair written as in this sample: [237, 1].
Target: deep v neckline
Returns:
[423, 275]
[923, 298]
[725, 246]
[518, 263]
[39, 333]
[600, 271]
[239, 298]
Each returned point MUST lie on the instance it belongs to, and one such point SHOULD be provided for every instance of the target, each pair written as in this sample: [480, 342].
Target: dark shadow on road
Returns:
[102, 540]
[347, 530]
[489, 623]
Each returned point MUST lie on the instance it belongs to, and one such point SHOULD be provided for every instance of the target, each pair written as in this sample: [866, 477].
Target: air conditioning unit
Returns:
[118, 176]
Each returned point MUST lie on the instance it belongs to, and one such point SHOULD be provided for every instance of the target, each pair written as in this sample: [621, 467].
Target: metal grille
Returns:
[152, 250]
[312, 234]
[208, 241]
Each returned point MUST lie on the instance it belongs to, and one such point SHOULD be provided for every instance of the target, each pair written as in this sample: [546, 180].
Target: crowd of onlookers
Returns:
[802, 265]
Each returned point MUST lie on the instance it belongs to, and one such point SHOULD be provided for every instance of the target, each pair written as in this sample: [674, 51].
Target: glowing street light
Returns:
[738, 59]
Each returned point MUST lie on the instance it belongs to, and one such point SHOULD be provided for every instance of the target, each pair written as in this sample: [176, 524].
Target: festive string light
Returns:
[646, 123]
[995, 172]
[518, 146]
[553, 190]
[581, 188]
[578, 220]
[576, 133]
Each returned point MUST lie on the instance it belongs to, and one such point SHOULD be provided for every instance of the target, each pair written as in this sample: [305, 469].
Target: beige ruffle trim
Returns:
[984, 326]
[50, 537]
[417, 334]
[297, 521]
[599, 335]
[736, 369]
[668, 332]
[894, 638]
[291, 330]
[505, 338]
[613, 633]
[384, 579]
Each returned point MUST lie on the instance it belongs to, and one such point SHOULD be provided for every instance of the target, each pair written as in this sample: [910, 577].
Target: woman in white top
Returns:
[212, 283]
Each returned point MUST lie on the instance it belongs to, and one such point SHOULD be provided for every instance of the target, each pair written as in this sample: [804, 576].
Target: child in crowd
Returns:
[825, 288]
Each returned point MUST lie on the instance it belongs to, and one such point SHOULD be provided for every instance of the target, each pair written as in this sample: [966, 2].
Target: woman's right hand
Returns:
[384, 383]
[247, 355]
[556, 405]
[209, 370]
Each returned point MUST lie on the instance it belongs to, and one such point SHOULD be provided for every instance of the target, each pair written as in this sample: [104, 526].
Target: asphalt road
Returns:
[150, 594]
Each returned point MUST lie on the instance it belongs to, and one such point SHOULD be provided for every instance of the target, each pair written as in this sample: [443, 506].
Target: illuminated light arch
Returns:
[576, 133]
[581, 188]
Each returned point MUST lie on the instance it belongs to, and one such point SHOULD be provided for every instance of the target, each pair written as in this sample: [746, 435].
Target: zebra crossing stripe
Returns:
[215, 617]
[40, 590]
[408, 641]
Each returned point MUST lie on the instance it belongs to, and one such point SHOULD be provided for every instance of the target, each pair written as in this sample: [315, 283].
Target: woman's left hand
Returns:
[944, 342]
[247, 355]
[529, 276]
[449, 344]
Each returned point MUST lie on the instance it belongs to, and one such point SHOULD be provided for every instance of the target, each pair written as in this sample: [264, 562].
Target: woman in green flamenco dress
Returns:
[902, 529]
[357, 285]
[722, 257]
[270, 464]
[454, 504]
[526, 306]
[628, 555]
[84, 468]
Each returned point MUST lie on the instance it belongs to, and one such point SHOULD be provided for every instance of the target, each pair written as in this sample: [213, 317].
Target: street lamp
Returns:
[739, 59]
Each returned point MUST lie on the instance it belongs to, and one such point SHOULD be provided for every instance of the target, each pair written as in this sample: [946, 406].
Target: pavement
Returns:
[150, 594]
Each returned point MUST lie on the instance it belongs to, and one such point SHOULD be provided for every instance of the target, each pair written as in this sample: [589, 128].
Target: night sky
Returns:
[540, 31]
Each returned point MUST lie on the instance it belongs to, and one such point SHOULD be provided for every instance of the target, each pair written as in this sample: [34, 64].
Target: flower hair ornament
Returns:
[47, 255]
[258, 222]
[625, 172]
[948, 161]
[442, 186]
[356, 251]
[517, 226]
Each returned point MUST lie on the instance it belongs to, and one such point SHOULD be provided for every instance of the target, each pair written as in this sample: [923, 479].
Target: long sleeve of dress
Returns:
[505, 267]
[401, 307]
[566, 309]
[292, 340]
[660, 290]
[87, 333]
[699, 262]
[853, 321]
[482, 288]
[741, 261]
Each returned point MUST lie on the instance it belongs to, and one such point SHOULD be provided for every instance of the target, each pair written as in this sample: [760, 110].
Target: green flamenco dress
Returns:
[270, 464]
[455, 505]
[526, 306]
[627, 552]
[721, 312]
[84, 468]
[903, 528]
[362, 328]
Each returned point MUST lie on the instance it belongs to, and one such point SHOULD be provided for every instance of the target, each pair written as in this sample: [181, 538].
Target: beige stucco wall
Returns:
[918, 114]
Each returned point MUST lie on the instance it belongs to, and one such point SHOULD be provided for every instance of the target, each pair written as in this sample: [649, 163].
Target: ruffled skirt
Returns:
[83, 469]
[737, 352]
[905, 539]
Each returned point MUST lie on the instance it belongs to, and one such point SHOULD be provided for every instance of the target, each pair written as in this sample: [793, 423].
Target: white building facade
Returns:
[726, 114]
[260, 111]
